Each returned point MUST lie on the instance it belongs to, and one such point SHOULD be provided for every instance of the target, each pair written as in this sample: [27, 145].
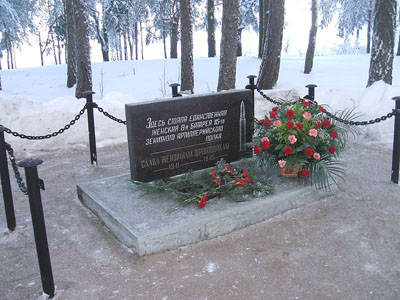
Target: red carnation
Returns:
[327, 123]
[214, 174]
[267, 123]
[203, 201]
[318, 125]
[334, 134]
[245, 174]
[261, 121]
[289, 124]
[248, 180]
[218, 182]
[273, 114]
[241, 182]
[299, 126]
[290, 114]
[288, 150]
[305, 173]
[321, 108]
[265, 143]
[305, 103]
[275, 108]
[309, 151]
[236, 179]
[257, 149]
[331, 149]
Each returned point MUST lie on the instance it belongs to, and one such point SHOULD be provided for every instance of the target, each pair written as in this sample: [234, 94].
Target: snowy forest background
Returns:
[122, 28]
[66, 33]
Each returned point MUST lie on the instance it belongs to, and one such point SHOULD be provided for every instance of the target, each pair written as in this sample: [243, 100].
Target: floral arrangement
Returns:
[301, 141]
[224, 180]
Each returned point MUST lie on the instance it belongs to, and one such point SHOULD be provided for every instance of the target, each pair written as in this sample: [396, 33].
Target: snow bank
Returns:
[35, 101]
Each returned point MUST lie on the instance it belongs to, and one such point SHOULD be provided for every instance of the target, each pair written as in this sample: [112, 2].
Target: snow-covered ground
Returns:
[35, 101]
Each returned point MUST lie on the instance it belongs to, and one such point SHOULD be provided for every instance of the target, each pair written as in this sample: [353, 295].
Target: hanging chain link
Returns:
[333, 116]
[20, 182]
[363, 123]
[48, 136]
[276, 102]
[108, 115]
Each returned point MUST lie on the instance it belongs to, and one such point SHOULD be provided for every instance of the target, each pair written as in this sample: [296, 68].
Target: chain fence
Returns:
[14, 166]
[108, 115]
[48, 136]
[333, 116]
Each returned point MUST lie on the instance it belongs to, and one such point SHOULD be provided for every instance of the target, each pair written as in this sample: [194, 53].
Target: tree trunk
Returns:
[260, 27]
[174, 36]
[125, 45]
[227, 63]
[59, 49]
[263, 25]
[398, 45]
[105, 49]
[54, 48]
[84, 74]
[119, 47]
[369, 27]
[141, 40]
[313, 38]
[130, 37]
[165, 46]
[41, 50]
[71, 43]
[239, 42]
[187, 75]
[270, 65]
[164, 37]
[211, 28]
[382, 55]
[136, 41]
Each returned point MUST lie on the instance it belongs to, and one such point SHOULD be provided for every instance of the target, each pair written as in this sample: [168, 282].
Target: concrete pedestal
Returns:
[140, 222]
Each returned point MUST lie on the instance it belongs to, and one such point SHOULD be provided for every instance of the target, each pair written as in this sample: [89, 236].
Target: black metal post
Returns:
[92, 133]
[396, 143]
[39, 228]
[174, 87]
[251, 86]
[5, 183]
[311, 91]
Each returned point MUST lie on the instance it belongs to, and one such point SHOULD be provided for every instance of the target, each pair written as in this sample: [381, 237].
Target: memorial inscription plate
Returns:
[173, 136]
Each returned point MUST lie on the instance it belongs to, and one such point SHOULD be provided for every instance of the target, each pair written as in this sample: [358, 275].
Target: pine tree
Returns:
[15, 23]
[211, 28]
[313, 38]
[353, 15]
[187, 83]
[382, 54]
[84, 68]
[270, 65]
[247, 18]
[263, 22]
[227, 65]
[71, 43]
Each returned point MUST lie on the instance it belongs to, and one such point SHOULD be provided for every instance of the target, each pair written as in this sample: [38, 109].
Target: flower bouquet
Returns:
[299, 140]
[239, 182]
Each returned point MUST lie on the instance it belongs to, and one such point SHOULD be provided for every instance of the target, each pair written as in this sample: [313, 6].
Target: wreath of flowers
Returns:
[299, 137]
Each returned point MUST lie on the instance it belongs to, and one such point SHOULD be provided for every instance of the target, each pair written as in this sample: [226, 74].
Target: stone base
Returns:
[140, 222]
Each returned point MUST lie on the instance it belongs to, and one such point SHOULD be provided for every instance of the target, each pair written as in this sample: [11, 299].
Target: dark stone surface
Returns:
[173, 136]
